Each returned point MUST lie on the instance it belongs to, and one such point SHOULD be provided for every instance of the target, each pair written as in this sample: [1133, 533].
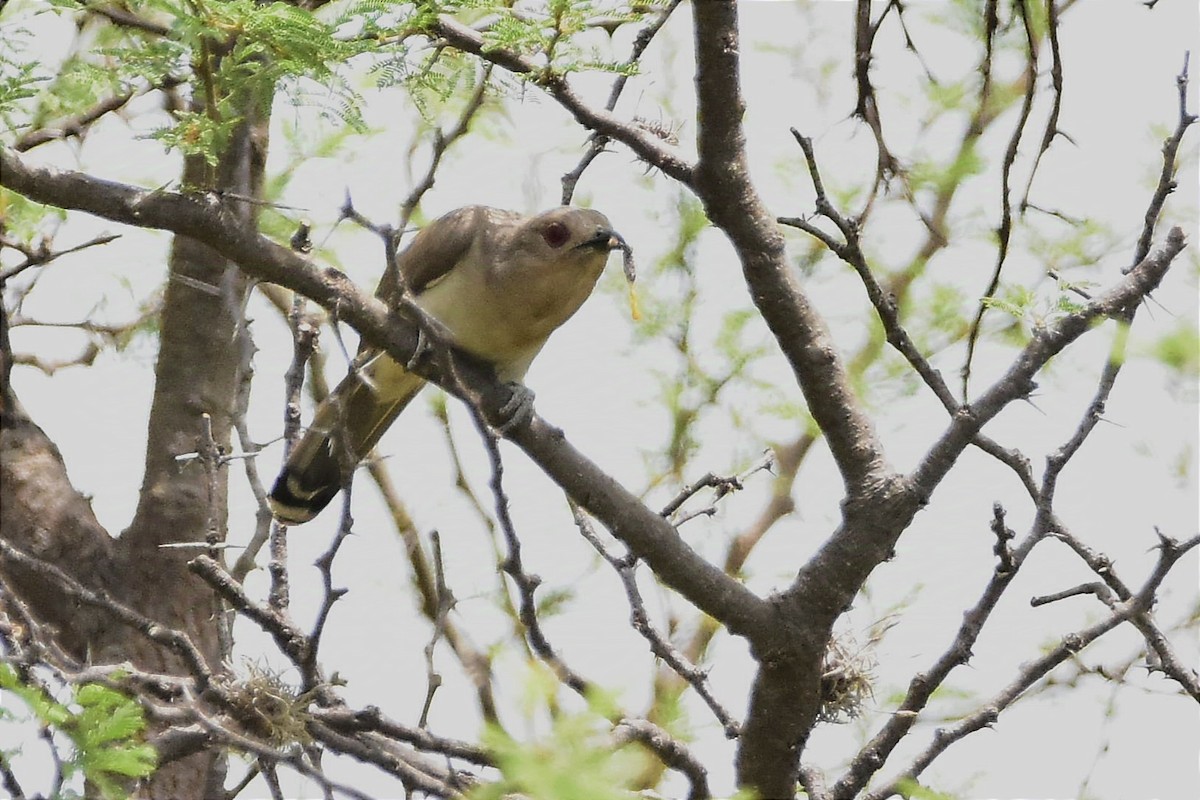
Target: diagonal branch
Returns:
[1048, 342]
[625, 567]
[647, 146]
[77, 124]
[1169, 554]
[731, 202]
[204, 218]
[599, 141]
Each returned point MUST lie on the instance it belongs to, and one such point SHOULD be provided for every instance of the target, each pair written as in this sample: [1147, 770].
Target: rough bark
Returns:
[42, 514]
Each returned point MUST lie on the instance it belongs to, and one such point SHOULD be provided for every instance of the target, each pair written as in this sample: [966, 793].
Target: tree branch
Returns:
[647, 146]
[1047, 342]
[205, 218]
[1004, 230]
[36, 496]
[1170, 552]
[598, 141]
[731, 202]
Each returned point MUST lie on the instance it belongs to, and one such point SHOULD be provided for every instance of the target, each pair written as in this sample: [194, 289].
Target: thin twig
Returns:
[309, 667]
[1097, 588]
[1169, 554]
[723, 485]
[598, 141]
[290, 639]
[850, 251]
[1166, 178]
[1056, 83]
[513, 565]
[625, 567]
[445, 603]
[673, 753]
[40, 257]
[442, 141]
[176, 641]
[1004, 231]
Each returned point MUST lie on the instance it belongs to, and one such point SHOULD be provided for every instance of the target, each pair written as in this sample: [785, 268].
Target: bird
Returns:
[498, 282]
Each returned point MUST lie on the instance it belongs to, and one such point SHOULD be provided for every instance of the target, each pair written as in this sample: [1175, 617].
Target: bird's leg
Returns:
[517, 410]
[421, 352]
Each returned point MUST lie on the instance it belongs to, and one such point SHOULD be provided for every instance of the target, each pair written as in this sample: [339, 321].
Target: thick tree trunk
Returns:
[197, 373]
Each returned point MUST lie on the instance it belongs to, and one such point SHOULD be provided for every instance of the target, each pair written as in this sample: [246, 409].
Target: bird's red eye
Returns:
[556, 234]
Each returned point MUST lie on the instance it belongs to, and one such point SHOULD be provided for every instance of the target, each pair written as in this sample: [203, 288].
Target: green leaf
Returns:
[1015, 300]
[131, 761]
[107, 715]
[554, 601]
[574, 762]
[1179, 350]
[910, 788]
[44, 708]
[105, 733]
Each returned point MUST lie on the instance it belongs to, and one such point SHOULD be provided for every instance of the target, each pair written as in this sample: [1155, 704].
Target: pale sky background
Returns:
[597, 382]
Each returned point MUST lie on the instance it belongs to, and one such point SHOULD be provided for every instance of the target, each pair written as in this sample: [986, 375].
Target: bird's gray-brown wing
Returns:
[437, 248]
[351, 420]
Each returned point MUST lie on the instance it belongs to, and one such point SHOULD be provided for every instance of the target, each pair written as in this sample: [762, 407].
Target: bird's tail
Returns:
[346, 426]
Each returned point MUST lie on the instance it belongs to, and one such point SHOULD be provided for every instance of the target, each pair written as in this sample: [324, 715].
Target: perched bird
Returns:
[499, 282]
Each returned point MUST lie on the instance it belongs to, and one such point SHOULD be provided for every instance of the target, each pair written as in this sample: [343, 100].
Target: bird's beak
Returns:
[605, 240]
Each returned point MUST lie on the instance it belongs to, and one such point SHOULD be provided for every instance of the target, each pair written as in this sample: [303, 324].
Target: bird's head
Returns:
[582, 234]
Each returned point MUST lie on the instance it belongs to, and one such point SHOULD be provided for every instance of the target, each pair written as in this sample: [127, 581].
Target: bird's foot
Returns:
[517, 410]
[421, 352]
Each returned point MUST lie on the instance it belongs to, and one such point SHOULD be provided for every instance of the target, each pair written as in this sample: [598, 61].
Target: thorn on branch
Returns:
[349, 212]
[1169, 547]
[667, 131]
[42, 255]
